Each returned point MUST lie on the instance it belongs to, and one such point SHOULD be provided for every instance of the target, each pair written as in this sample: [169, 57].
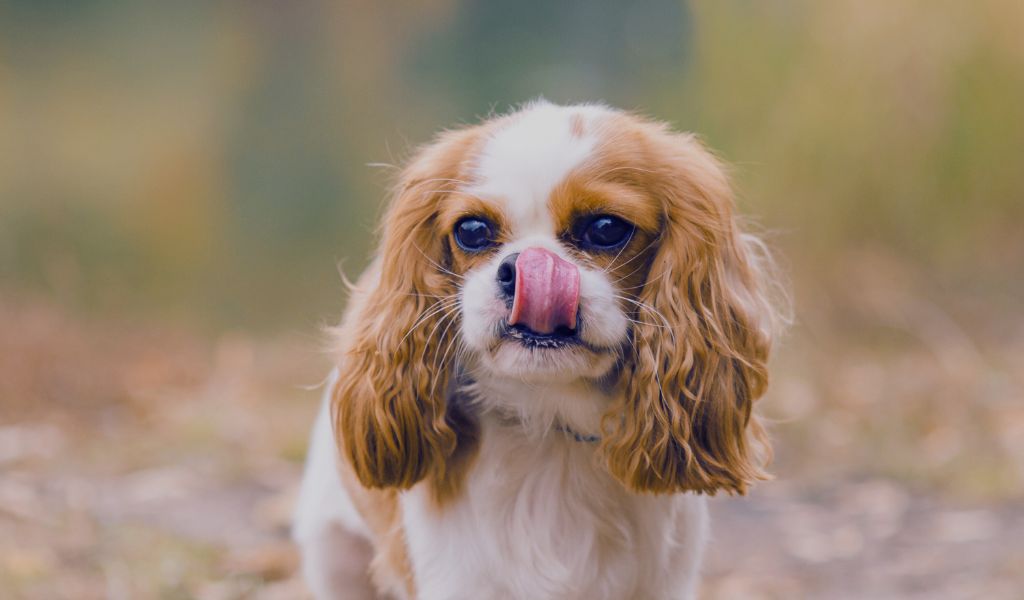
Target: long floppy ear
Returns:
[389, 404]
[701, 346]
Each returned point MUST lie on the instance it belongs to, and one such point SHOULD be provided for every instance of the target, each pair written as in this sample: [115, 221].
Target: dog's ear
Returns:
[389, 402]
[699, 353]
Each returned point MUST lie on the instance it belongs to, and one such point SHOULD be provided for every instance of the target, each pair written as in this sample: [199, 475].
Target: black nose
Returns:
[507, 276]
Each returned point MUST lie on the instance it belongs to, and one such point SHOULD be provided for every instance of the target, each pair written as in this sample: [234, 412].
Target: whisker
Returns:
[636, 287]
[433, 262]
[444, 180]
[439, 368]
[460, 355]
[645, 306]
[619, 253]
[443, 360]
[421, 295]
[661, 389]
[647, 323]
[433, 310]
[630, 274]
[440, 321]
[635, 256]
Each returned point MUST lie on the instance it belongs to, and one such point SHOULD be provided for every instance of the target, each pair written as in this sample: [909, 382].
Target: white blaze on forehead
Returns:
[524, 161]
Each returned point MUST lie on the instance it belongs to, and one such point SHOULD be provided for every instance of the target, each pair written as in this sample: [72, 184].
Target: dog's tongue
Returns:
[547, 291]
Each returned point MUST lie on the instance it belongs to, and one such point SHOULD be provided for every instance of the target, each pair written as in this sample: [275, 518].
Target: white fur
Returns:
[524, 160]
[539, 517]
[540, 520]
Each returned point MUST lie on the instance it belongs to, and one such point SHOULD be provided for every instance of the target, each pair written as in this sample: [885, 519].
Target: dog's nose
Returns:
[547, 292]
[507, 276]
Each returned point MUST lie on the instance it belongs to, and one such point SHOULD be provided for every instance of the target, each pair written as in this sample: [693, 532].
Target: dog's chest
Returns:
[538, 520]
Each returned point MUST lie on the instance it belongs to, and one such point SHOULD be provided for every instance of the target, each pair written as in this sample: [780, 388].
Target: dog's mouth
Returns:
[564, 354]
[561, 337]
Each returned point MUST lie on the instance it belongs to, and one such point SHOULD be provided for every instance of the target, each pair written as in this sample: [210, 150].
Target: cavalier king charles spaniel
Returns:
[548, 366]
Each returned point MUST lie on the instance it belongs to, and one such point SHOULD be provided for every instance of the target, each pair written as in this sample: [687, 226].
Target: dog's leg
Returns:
[335, 564]
[333, 540]
[690, 539]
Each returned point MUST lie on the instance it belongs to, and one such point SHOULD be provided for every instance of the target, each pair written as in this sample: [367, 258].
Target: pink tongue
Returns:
[547, 291]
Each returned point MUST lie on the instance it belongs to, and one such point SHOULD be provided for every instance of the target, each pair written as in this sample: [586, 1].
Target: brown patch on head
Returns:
[585, 195]
[612, 182]
[577, 126]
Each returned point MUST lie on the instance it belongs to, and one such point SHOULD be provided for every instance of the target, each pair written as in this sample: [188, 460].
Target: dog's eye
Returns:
[605, 232]
[474, 234]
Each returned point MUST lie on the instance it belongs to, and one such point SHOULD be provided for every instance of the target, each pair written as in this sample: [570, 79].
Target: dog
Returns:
[548, 366]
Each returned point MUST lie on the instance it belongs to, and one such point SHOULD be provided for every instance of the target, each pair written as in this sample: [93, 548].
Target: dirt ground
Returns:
[141, 462]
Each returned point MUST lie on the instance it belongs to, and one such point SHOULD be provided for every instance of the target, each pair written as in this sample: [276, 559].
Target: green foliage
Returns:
[210, 161]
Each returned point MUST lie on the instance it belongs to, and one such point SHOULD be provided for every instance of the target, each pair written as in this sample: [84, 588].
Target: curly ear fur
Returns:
[389, 402]
[685, 422]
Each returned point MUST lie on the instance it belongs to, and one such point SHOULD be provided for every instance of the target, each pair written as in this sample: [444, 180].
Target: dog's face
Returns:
[553, 244]
[558, 245]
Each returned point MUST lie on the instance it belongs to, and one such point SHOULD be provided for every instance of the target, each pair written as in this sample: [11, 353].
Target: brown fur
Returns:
[577, 126]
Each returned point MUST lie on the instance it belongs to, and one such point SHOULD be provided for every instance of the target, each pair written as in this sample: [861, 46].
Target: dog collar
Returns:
[579, 437]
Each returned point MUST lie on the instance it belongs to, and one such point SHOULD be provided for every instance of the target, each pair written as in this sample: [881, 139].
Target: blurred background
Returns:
[180, 181]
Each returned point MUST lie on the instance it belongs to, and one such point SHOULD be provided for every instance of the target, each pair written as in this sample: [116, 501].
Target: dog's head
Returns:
[565, 245]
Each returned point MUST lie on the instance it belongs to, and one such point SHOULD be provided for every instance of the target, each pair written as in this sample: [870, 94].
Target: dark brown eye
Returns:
[605, 232]
[474, 234]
